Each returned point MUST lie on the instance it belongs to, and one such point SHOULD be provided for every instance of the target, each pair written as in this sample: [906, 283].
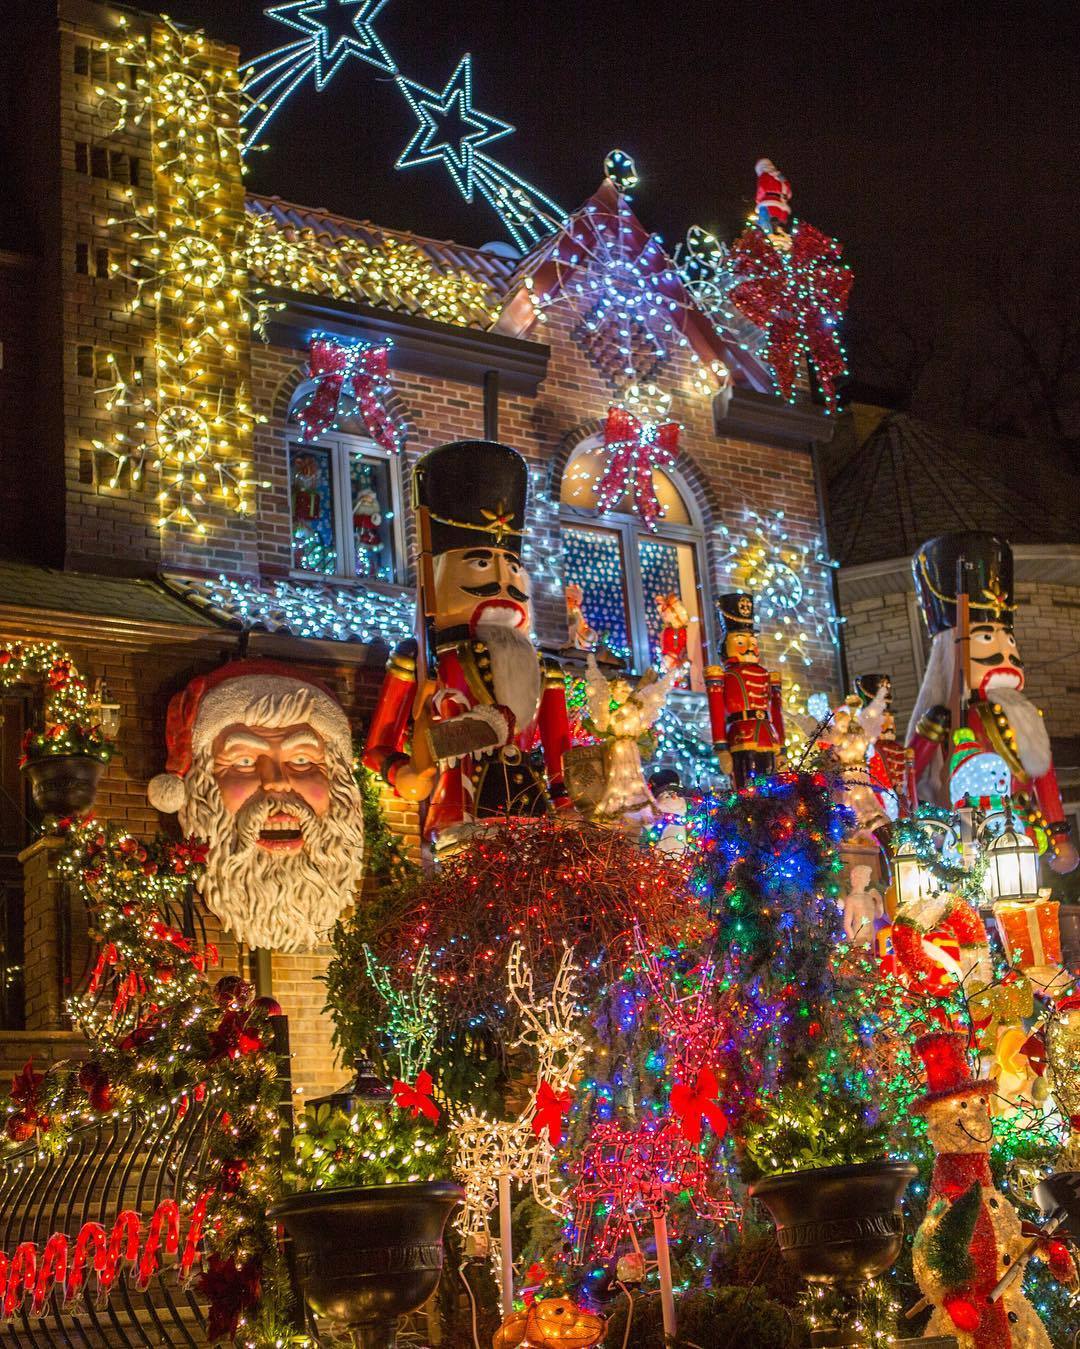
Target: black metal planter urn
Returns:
[63, 784]
[367, 1256]
[838, 1225]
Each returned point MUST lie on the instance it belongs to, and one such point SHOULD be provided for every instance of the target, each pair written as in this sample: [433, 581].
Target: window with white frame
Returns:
[345, 505]
[628, 573]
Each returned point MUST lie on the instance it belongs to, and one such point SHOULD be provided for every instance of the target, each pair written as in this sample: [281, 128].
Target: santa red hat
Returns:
[944, 1056]
[223, 697]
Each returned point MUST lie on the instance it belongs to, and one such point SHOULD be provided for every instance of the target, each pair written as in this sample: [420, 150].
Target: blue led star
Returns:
[450, 128]
[339, 29]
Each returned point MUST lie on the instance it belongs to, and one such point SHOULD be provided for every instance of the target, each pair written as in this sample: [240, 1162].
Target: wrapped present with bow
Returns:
[994, 1006]
[1031, 934]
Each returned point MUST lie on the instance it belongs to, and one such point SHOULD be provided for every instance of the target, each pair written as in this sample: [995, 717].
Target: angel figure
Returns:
[621, 714]
[853, 730]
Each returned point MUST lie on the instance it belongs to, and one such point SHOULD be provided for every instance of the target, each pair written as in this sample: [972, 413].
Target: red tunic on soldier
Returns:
[745, 699]
[486, 719]
[1002, 719]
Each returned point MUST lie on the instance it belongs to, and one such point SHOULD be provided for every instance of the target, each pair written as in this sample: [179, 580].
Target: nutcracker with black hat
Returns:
[745, 699]
[975, 679]
[891, 763]
[470, 717]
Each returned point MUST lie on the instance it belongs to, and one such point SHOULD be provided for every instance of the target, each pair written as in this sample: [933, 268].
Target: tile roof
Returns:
[297, 247]
[895, 481]
[84, 593]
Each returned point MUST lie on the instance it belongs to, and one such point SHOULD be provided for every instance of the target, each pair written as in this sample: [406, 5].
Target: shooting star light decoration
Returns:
[449, 128]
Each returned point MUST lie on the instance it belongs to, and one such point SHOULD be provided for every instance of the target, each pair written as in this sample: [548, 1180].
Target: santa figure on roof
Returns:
[975, 679]
[773, 198]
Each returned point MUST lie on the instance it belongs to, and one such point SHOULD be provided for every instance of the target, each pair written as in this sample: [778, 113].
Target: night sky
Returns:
[936, 140]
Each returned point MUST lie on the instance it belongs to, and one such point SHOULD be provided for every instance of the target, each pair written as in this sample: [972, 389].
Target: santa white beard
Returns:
[1032, 739]
[515, 670]
[278, 901]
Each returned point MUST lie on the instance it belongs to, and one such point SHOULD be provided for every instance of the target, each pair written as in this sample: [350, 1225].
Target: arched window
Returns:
[625, 570]
[345, 503]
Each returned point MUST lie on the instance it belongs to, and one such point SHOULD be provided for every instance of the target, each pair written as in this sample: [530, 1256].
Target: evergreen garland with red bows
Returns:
[161, 1038]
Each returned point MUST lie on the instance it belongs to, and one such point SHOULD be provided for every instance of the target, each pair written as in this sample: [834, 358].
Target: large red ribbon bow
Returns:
[697, 1105]
[635, 447]
[551, 1108]
[416, 1099]
[356, 368]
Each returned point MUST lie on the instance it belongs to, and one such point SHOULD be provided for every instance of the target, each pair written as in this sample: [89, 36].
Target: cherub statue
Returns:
[852, 731]
[862, 905]
[621, 714]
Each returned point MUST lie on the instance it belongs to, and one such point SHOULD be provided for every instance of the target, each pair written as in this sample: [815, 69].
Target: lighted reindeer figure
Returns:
[493, 1153]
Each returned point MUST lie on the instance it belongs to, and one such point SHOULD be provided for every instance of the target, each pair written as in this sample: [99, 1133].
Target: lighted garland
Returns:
[912, 835]
[161, 1039]
[70, 726]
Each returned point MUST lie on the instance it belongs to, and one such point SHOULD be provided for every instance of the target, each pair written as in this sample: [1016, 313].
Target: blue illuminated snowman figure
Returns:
[976, 776]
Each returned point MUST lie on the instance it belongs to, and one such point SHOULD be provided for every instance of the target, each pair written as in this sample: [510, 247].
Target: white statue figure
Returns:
[852, 731]
[621, 714]
[863, 906]
[260, 768]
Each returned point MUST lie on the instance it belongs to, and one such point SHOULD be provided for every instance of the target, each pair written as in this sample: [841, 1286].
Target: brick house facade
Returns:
[147, 607]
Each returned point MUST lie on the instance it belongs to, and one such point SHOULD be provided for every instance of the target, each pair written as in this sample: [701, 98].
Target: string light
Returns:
[72, 716]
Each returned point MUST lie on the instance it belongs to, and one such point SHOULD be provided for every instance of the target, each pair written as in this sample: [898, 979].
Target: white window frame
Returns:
[341, 448]
[630, 529]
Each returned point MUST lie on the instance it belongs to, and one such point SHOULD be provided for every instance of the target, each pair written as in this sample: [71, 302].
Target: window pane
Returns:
[372, 517]
[311, 493]
[593, 560]
[667, 569]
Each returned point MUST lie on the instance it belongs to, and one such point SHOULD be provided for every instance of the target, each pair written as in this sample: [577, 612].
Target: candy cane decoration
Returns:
[26, 1275]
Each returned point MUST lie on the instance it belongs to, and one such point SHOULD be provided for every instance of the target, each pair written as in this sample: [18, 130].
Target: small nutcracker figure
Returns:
[975, 678]
[745, 700]
[483, 713]
[892, 764]
[306, 501]
[773, 198]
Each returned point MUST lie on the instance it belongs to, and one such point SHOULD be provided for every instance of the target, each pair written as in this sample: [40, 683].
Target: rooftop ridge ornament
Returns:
[331, 32]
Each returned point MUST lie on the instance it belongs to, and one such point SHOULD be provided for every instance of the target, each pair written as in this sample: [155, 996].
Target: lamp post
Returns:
[1012, 870]
[913, 879]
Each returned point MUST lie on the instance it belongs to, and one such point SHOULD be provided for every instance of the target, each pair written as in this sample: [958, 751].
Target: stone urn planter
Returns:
[838, 1225]
[367, 1256]
[63, 784]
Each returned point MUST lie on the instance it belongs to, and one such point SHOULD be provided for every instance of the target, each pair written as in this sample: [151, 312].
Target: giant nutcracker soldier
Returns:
[975, 678]
[471, 718]
[745, 700]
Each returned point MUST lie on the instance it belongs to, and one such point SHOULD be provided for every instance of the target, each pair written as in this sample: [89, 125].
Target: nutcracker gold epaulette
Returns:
[402, 662]
[934, 724]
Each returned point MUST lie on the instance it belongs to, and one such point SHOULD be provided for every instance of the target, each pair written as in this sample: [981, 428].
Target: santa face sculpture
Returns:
[260, 768]
[488, 704]
[1004, 722]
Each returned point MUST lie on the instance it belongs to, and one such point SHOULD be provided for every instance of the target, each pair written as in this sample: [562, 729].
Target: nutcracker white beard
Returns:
[1032, 739]
[515, 670]
[278, 901]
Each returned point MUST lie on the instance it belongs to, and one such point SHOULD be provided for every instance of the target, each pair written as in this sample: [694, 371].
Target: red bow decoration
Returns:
[550, 1113]
[697, 1105]
[416, 1099]
[26, 1086]
[797, 298]
[357, 369]
[635, 447]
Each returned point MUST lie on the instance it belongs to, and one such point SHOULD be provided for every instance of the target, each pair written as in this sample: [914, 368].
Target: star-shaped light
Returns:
[450, 128]
[340, 29]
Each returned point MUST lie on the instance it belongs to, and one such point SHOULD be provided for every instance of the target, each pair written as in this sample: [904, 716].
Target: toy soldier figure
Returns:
[484, 715]
[975, 678]
[745, 700]
[892, 765]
